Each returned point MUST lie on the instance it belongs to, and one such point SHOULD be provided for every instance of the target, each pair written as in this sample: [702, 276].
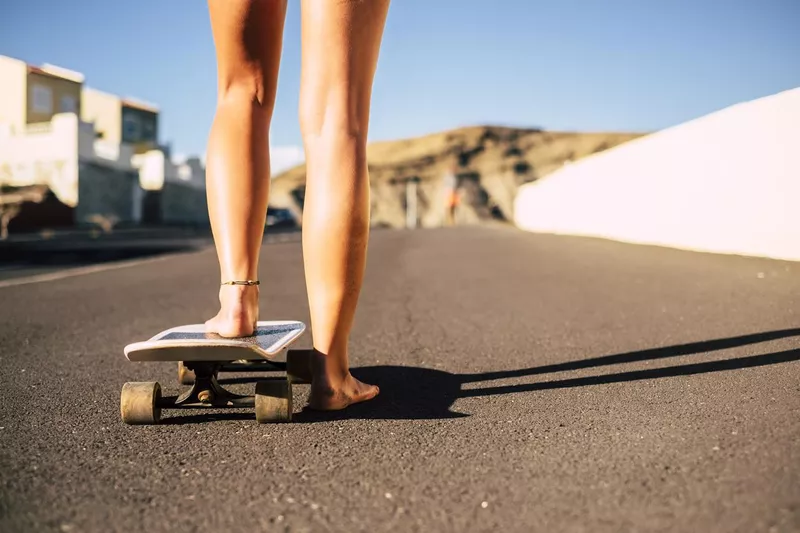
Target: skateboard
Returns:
[202, 356]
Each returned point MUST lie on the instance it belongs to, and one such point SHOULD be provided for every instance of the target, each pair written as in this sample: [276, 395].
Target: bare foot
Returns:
[238, 312]
[333, 389]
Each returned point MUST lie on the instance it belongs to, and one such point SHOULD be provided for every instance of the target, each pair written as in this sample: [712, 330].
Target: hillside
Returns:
[492, 162]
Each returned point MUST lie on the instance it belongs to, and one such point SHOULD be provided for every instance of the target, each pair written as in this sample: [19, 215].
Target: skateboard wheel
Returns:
[273, 401]
[185, 376]
[298, 365]
[139, 402]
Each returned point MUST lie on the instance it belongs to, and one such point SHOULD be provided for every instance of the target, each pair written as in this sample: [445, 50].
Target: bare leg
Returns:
[248, 35]
[341, 42]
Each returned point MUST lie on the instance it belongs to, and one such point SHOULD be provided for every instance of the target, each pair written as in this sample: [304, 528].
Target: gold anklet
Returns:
[245, 282]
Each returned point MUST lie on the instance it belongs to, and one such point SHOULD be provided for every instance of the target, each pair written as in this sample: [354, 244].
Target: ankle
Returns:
[240, 293]
[330, 367]
[238, 300]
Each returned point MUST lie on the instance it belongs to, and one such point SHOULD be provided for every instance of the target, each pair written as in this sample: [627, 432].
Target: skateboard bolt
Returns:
[204, 396]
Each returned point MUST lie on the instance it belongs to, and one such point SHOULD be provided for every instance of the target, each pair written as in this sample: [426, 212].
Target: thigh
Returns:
[340, 42]
[248, 36]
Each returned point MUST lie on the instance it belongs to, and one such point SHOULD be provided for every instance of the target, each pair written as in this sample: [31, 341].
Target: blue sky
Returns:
[615, 65]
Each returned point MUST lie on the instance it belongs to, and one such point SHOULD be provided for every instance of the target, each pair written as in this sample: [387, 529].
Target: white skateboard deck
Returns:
[192, 343]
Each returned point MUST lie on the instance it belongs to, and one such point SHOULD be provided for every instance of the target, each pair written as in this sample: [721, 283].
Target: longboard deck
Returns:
[192, 343]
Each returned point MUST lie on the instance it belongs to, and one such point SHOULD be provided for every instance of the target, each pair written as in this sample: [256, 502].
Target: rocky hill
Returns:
[490, 163]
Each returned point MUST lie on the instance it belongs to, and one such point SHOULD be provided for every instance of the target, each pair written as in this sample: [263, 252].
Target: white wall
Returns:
[728, 182]
[13, 96]
[182, 186]
[155, 169]
[44, 154]
[113, 154]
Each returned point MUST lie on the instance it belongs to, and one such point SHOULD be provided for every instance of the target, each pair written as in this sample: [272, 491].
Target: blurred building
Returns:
[97, 154]
[121, 120]
[33, 95]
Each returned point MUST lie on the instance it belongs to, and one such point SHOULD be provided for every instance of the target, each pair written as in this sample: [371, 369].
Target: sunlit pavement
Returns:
[529, 383]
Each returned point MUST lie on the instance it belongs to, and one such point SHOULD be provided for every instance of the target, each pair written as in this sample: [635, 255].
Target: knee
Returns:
[333, 119]
[246, 85]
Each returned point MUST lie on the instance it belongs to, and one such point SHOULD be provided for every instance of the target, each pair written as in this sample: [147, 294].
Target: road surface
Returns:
[529, 383]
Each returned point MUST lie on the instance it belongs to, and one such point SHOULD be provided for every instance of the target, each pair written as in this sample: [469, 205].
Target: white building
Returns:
[96, 152]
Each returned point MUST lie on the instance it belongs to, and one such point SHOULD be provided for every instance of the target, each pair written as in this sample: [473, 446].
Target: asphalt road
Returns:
[529, 383]
[34, 256]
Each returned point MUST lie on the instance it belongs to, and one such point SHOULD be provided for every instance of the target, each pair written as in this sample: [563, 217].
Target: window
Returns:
[69, 104]
[130, 128]
[42, 99]
[148, 131]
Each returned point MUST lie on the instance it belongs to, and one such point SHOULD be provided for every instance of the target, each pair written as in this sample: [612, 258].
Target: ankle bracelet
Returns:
[244, 282]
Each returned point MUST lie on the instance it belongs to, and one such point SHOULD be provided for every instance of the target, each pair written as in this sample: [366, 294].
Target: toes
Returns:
[370, 393]
[367, 393]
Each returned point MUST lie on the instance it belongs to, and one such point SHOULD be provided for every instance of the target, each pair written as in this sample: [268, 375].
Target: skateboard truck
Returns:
[206, 390]
[296, 367]
[201, 356]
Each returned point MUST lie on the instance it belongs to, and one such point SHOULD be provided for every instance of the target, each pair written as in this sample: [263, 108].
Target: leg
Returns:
[248, 35]
[341, 42]
[451, 208]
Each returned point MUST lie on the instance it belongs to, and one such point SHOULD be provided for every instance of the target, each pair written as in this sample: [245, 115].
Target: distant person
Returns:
[340, 48]
[451, 196]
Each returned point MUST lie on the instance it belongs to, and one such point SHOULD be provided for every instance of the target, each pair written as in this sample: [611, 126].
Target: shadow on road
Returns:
[424, 393]
[417, 393]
